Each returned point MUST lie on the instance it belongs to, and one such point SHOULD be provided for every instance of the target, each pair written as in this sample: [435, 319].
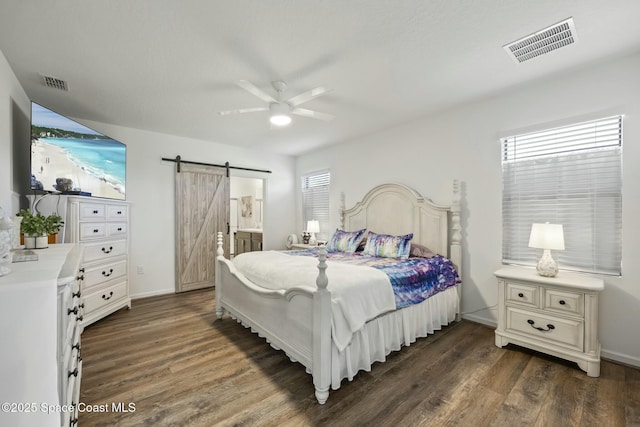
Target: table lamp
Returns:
[547, 236]
[313, 227]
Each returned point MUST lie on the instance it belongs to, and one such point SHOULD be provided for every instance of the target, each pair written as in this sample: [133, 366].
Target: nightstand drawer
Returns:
[92, 230]
[564, 302]
[565, 332]
[523, 294]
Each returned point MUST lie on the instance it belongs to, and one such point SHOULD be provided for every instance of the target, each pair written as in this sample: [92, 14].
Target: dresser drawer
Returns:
[104, 250]
[92, 230]
[116, 229]
[117, 213]
[526, 295]
[101, 273]
[104, 297]
[92, 211]
[565, 332]
[564, 302]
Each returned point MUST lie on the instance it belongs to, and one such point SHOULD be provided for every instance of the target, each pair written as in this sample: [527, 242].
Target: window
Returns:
[572, 176]
[315, 201]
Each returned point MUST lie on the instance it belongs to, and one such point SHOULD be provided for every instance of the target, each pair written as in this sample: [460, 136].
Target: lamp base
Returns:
[547, 266]
[312, 239]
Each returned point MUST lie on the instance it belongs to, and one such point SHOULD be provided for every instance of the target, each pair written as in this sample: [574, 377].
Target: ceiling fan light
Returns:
[279, 114]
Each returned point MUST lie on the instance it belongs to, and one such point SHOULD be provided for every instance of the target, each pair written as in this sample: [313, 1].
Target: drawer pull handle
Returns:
[521, 295]
[79, 318]
[104, 297]
[74, 311]
[95, 211]
[107, 251]
[550, 327]
[105, 274]
[119, 212]
[95, 230]
[73, 421]
[76, 294]
[562, 302]
[81, 277]
[74, 373]
[76, 346]
[81, 305]
[81, 270]
[119, 228]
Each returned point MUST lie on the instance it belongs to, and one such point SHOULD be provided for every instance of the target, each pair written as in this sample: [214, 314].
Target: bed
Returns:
[300, 319]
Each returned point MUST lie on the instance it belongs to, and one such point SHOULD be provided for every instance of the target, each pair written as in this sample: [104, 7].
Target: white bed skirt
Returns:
[389, 332]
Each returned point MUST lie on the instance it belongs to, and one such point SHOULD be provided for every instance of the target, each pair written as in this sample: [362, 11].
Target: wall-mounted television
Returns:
[71, 158]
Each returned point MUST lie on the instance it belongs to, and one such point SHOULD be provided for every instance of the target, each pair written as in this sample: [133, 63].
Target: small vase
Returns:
[42, 242]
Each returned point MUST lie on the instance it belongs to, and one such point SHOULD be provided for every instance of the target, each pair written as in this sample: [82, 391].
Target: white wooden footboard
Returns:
[297, 321]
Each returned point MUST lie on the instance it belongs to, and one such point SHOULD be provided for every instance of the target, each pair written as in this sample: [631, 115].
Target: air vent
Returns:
[542, 42]
[55, 83]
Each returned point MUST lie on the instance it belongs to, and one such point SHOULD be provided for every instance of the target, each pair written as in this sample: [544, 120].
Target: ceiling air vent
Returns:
[542, 42]
[55, 83]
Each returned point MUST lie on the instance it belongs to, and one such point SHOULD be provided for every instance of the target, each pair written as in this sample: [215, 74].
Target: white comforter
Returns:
[358, 293]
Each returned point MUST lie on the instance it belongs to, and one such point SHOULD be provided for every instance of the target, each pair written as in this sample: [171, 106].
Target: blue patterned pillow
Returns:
[388, 246]
[345, 241]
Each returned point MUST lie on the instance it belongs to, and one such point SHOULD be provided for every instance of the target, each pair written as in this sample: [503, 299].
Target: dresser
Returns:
[247, 241]
[101, 226]
[554, 315]
[40, 313]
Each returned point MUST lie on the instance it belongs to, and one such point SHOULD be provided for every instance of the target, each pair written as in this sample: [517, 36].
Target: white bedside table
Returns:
[302, 246]
[554, 315]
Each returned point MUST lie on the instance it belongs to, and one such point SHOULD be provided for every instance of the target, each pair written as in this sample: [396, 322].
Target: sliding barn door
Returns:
[202, 209]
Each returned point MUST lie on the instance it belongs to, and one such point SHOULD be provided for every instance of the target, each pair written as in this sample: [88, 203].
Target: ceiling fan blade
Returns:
[252, 89]
[307, 96]
[312, 114]
[243, 110]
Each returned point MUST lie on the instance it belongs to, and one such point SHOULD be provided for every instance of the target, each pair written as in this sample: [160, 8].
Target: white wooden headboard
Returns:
[397, 209]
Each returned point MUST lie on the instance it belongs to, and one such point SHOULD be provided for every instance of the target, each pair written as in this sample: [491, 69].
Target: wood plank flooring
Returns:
[179, 366]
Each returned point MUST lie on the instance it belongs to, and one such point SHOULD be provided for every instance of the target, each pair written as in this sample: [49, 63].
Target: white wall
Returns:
[463, 143]
[150, 188]
[13, 103]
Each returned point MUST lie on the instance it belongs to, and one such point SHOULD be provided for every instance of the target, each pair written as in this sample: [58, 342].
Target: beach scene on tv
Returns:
[71, 158]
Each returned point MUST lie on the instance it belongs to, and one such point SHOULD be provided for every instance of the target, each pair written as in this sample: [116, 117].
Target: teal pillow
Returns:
[388, 246]
[345, 241]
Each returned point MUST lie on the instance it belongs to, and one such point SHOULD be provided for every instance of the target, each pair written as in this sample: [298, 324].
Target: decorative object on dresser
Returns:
[41, 310]
[293, 308]
[547, 236]
[313, 227]
[38, 229]
[557, 316]
[6, 225]
[101, 226]
[292, 239]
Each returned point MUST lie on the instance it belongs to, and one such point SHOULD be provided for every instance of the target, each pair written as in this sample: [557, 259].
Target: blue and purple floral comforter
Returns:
[413, 279]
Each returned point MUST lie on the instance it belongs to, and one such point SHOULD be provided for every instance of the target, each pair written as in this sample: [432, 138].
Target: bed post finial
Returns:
[220, 251]
[218, 273]
[321, 360]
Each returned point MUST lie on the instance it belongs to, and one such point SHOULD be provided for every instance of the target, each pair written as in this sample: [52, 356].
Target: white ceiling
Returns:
[169, 66]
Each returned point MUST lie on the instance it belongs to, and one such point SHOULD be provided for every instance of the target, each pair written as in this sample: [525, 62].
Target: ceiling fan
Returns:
[280, 110]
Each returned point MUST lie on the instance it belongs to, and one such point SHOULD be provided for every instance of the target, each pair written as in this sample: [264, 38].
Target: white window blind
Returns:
[572, 176]
[315, 201]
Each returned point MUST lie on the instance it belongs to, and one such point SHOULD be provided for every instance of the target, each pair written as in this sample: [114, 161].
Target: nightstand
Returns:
[299, 246]
[554, 315]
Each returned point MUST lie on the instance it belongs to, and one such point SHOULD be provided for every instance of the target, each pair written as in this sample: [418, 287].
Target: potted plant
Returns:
[36, 228]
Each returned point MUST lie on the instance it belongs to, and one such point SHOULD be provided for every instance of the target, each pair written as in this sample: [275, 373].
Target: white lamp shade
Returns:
[547, 236]
[313, 226]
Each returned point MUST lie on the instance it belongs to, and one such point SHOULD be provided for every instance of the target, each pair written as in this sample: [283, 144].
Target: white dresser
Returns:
[101, 226]
[554, 315]
[41, 365]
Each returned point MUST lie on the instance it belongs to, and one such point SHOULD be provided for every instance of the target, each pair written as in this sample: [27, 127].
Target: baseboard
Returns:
[153, 294]
[481, 320]
[623, 359]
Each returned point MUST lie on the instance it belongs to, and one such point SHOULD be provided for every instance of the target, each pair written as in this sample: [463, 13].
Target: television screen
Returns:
[73, 159]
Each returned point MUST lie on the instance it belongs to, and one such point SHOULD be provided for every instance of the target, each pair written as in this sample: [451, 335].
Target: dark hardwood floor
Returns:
[179, 366]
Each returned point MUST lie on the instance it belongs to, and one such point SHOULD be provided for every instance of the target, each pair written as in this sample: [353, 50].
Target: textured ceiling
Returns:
[169, 66]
